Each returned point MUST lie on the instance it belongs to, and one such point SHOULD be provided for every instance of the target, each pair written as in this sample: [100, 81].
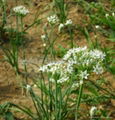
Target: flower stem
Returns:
[79, 101]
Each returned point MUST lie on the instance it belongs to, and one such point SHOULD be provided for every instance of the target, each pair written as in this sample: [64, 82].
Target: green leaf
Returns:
[92, 89]
[9, 116]
[112, 69]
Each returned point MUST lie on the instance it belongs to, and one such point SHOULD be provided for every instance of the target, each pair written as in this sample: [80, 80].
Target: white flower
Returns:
[35, 86]
[92, 111]
[52, 80]
[97, 26]
[43, 68]
[84, 75]
[60, 68]
[98, 69]
[86, 62]
[81, 82]
[73, 51]
[76, 85]
[68, 22]
[52, 67]
[44, 45]
[43, 37]
[113, 14]
[20, 10]
[28, 87]
[97, 54]
[60, 27]
[52, 19]
[106, 15]
[24, 62]
[63, 79]
[69, 67]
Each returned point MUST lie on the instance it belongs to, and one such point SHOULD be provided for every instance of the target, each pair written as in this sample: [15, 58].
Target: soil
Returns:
[10, 87]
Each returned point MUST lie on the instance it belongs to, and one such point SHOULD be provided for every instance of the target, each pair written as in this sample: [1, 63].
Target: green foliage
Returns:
[3, 21]
[113, 3]
[61, 51]
[5, 112]
[61, 10]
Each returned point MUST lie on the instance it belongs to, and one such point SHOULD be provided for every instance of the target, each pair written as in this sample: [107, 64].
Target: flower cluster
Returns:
[78, 62]
[86, 59]
[60, 68]
[20, 10]
[52, 19]
[62, 25]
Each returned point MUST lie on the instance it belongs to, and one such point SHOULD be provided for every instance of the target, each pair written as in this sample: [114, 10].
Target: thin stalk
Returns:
[41, 84]
[52, 43]
[56, 100]
[39, 106]
[60, 104]
[23, 110]
[50, 97]
[71, 36]
[16, 61]
[25, 68]
[21, 19]
[79, 101]
[4, 18]
[17, 29]
[15, 46]
[103, 89]
[60, 5]
[31, 25]
[47, 50]
[34, 104]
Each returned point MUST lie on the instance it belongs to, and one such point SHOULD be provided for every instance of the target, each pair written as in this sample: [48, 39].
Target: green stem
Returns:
[79, 100]
[25, 68]
[15, 47]
[21, 30]
[17, 29]
[56, 99]
[47, 50]
[71, 36]
[4, 13]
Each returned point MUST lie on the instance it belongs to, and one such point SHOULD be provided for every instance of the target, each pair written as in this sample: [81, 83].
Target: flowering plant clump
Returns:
[52, 19]
[78, 62]
[20, 11]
